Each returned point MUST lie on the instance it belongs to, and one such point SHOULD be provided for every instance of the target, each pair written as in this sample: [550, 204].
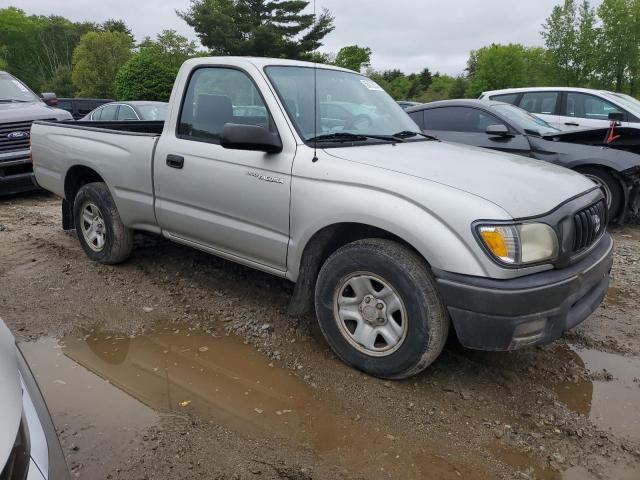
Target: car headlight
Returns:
[519, 244]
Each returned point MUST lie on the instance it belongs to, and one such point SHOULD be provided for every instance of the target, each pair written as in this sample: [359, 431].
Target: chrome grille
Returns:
[14, 136]
[589, 225]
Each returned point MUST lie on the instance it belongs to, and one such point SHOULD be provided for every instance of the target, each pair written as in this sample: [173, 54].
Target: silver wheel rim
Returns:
[370, 314]
[603, 186]
[93, 227]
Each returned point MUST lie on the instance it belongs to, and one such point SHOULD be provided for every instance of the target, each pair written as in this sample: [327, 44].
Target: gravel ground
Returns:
[248, 392]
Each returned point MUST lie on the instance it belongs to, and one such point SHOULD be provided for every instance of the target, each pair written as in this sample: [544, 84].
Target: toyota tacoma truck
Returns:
[19, 107]
[314, 174]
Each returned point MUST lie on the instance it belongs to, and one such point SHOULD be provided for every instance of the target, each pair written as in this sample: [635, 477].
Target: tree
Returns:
[506, 66]
[174, 48]
[559, 33]
[150, 73]
[276, 28]
[586, 44]
[96, 61]
[618, 55]
[425, 79]
[61, 83]
[353, 57]
[113, 25]
[146, 76]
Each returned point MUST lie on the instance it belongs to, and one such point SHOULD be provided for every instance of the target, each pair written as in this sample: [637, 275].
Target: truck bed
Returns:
[121, 151]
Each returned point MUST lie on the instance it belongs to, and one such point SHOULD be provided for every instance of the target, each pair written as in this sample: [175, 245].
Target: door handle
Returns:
[175, 161]
[572, 124]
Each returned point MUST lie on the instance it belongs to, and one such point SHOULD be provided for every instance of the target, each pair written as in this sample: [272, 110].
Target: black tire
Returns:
[117, 239]
[610, 184]
[427, 321]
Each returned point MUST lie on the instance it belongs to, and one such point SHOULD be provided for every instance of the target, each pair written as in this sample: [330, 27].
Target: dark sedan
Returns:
[504, 127]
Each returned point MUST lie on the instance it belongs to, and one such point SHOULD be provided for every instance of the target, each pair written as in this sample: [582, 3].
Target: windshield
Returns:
[346, 103]
[13, 90]
[152, 112]
[627, 101]
[524, 120]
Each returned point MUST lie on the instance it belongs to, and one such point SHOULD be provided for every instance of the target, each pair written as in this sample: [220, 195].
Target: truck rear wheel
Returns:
[102, 235]
[379, 310]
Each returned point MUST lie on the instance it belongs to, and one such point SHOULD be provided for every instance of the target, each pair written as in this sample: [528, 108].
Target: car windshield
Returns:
[152, 112]
[526, 121]
[347, 106]
[13, 90]
[626, 101]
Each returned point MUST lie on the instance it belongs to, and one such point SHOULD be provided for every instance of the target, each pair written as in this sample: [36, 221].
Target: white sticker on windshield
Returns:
[371, 85]
[20, 86]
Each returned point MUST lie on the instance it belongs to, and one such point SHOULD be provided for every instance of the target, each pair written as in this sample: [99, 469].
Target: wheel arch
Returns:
[75, 178]
[320, 246]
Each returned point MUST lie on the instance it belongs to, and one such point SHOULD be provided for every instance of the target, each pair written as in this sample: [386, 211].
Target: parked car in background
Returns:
[568, 108]
[390, 234]
[29, 447]
[19, 107]
[79, 107]
[128, 111]
[507, 128]
[407, 104]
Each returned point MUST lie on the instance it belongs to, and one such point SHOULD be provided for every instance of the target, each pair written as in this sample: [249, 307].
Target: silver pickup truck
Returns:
[315, 174]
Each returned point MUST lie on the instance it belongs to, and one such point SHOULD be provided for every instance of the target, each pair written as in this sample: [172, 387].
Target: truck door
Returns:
[233, 203]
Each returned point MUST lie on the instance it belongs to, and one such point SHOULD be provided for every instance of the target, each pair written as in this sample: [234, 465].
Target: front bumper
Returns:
[536, 309]
[47, 460]
[16, 173]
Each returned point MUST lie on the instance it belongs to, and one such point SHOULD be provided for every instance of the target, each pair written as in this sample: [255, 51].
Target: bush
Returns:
[145, 77]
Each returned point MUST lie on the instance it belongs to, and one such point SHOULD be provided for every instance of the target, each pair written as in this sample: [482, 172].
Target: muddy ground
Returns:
[179, 365]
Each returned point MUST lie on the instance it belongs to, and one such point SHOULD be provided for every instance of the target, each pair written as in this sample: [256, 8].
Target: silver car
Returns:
[29, 447]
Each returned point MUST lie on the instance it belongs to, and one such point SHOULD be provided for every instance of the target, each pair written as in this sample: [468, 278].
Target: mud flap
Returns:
[67, 216]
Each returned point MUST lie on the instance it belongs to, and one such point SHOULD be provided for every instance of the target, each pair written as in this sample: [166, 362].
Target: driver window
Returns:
[217, 96]
[458, 119]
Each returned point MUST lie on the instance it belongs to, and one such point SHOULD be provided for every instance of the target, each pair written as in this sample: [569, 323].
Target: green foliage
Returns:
[145, 76]
[113, 25]
[266, 28]
[37, 48]
[150, 73]
[97, 59]
[61, 83]
[619, 37]
[353, 57]
[506, 66]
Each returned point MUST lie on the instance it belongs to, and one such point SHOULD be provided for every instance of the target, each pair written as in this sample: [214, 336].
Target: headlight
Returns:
[520, 244]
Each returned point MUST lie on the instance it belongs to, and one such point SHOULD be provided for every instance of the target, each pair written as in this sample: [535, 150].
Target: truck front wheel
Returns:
[379, 310]
[102, 235]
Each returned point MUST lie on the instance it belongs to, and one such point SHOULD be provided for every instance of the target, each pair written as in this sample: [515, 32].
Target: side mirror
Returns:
[616, 116]
[50, 99]
[250, 137]
[497, 131]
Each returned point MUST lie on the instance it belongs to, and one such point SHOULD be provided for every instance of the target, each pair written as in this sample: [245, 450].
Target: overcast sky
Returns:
[404, 34]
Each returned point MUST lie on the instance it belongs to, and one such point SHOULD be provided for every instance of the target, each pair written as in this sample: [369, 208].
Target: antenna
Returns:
[315, 93]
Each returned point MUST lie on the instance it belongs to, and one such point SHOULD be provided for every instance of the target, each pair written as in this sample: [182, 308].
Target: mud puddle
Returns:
[611, 395]
[96, 422]
[222, 380]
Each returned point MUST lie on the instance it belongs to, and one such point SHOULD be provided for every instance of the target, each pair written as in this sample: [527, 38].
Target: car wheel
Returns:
[379, 310]
[102, 235]
[610, 186]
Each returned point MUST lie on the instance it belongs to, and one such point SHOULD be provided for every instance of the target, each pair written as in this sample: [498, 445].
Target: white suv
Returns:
[570, 108]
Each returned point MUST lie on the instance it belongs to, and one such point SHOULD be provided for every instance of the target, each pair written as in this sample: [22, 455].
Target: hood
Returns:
[521, 186]
[25, 112]
[10, 394]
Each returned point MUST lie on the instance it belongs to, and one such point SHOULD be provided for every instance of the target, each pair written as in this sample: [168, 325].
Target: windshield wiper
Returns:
[352, 137]
[410, 134]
